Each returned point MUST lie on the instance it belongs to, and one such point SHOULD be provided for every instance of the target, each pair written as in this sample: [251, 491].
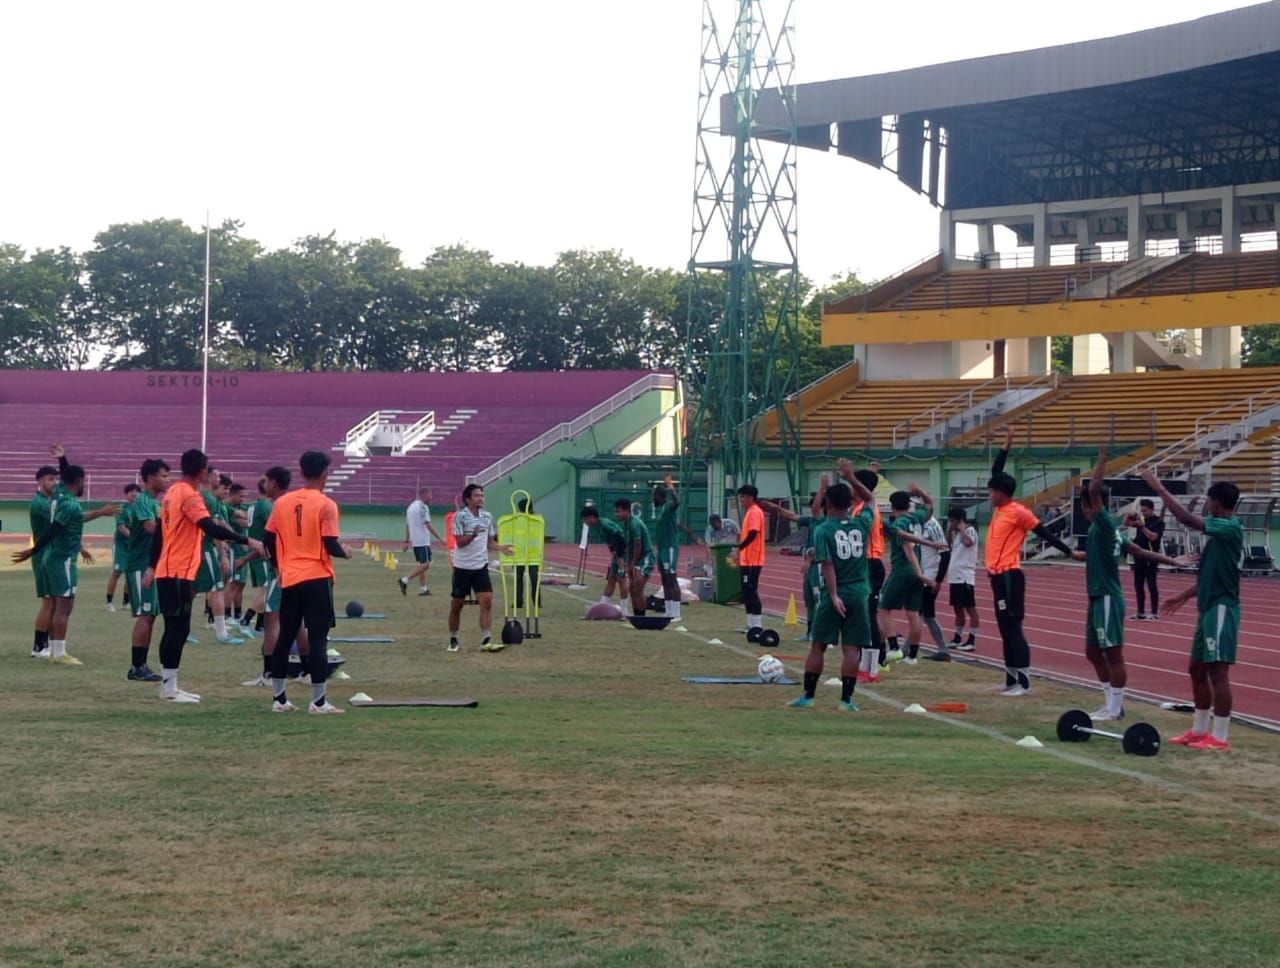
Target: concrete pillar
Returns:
[1089, 354]
[1136, 226]
[986, 238]
[1121, 352]
[1230, 220]
[947, 238]
[1235, 346]
[1040, 234]
[1215, 351]
[1038, 355]
[1182, 222]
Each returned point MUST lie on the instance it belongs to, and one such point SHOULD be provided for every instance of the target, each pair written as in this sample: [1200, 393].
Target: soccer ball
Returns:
[770, 669]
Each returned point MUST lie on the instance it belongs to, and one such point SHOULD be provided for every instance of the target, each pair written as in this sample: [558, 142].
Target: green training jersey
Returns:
[1103, 548]
[68, 513]
[845, 543]
[41, 514]
[215, 508]
[615, 535]
[906, 523]
[122, 518]
[664, 531]
[144, 508]
[636, 529]
[1219, 580]
[259, 513]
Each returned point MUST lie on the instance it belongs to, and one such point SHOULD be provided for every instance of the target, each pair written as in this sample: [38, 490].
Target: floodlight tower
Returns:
[742, 350]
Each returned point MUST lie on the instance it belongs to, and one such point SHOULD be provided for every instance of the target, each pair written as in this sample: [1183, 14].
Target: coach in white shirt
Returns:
[418, 531]
[963, 538]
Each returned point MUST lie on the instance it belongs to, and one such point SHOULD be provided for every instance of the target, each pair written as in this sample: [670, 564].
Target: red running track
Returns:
[1155, 652]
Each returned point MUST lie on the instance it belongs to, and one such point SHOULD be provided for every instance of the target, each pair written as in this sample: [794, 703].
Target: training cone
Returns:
[791, 618]
[833, 681]
[714, 642]
[915, 709]
[362, 697]
[1029, 742]
[387, 561]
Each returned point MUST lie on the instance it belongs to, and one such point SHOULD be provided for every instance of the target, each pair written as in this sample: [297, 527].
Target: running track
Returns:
[1156, 652]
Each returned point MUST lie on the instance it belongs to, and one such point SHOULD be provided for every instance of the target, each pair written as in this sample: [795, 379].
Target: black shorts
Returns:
[751, 577]
[1009, 589]
[175, 596]
[309, 603]
[875, 571]
[422, 554]
[928, 602]
[962, 595]
[468, 581]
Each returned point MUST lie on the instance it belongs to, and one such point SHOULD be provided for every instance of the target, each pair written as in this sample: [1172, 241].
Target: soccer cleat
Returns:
[404, 584]
[956, 640]
[283, 707]
[1015, 690]
[1153, 617]
[493, 646]
[1210, 742]
[864, 676]
[910, 660]
[110, 607]
[801, 702]
[453, 647]
[804, 638]
[41, 653]
[1105, 715]
[1189, 738]
[325, 708]
[1138, 617]
[873, 679]
[243, 630]
[895, 655]
[180, 697]
[423, 591]
[847, 707]
[192, 640]
[229, 640]
[143, 674]
[262, 680]
[966, 647]
[939, 657]
[66, 660]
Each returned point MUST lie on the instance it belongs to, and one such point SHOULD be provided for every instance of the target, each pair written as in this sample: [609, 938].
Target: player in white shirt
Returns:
[418, 532]
[963, 538]
[475, 533]
[934, 563]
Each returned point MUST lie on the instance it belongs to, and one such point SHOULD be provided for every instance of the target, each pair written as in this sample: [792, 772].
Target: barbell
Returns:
[1140, 739]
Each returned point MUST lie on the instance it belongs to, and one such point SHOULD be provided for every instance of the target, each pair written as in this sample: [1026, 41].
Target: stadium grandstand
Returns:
[1136, 179]
[389, 433]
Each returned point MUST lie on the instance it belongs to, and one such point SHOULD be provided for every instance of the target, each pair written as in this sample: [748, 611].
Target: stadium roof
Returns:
[1193, 105]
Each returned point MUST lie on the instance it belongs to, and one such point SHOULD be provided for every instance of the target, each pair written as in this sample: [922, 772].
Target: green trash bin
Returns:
[726, 586]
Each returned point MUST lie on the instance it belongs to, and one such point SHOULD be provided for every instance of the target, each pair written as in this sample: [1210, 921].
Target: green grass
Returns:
[595, 810]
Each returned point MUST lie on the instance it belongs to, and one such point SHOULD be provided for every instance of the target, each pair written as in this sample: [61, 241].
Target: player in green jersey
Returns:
[62, 543]
[271, 486]
[811, 572]
[259, 570]
[120, 547]
[615, 539]
[1217, 594]
[638, 558]
[41, 512]
[143, 520]
[904, 591]
[842, 616]
[1104, 548]
[211, 578]
[238, 521]
[665, 504]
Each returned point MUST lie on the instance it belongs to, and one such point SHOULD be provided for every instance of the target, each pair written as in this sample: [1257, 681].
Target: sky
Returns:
[523, 129]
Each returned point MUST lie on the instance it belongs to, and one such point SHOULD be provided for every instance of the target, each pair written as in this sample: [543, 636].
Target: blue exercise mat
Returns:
[732, 681]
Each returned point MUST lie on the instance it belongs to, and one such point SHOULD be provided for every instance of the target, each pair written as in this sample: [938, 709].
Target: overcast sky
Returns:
[521, 128]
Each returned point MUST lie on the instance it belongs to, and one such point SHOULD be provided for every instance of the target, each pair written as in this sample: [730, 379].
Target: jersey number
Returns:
[848, 544]
[297, 514]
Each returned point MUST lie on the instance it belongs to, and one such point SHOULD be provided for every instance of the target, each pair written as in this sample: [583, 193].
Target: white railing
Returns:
[964, 401]
[415, 433]
[359, 435]
[565, 431]
[1188, 451]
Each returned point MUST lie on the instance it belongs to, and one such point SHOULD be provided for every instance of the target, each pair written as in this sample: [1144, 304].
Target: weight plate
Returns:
[1141, 739]
[769, 639]
[1070, 725]
[753, 634]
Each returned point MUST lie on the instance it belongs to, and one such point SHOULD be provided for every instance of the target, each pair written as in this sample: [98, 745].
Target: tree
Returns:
[45, 318]
[1261, 345]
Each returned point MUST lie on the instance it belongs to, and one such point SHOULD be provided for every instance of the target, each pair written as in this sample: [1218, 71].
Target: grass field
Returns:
[595, 810]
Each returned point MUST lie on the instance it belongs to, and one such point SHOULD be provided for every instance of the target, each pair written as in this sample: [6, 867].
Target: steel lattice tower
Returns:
[742, 350]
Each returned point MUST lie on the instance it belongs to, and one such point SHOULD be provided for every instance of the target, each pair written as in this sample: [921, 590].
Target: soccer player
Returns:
[474, 533]
[271, 487]
[302, 539]
[904, 591]
[1217, 594]
[1104, 627]
[963, 538]
[1010, 524]
[62, 542]
[637, 560]
[418, 532]
[211, 580]
[750, 555]
[1149, 534]
[143, 519]
[615, 540]
[811, 571]
[875, 567]
[41, 512]
[120, 547]
[842, 542]
[935, 561]
[666, 502]
[176, 555]
[237, 520]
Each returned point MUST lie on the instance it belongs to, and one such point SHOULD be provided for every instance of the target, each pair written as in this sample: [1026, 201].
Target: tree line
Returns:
[135, 300]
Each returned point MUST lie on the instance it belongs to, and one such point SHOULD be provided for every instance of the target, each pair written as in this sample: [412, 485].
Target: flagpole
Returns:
[204, 382]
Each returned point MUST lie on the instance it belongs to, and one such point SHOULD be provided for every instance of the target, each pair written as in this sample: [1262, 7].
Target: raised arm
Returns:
[1192, 521]
[997, 465]
[922, 494]
[860, 491]
[774, 508]
[1099, 469]
[672, 494]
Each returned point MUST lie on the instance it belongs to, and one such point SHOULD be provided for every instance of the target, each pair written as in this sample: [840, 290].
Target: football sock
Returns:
[1200, 722]
[1024, 680]
[168, 681]
[248, 617]
[810, 684]
[891, 644]
[226, 612]
[266, 666]
[1009, 678]
[913, 650]
[139, 654]
[41, 641]
[973, 639]
[1116, 703]
[58, 648]
[277, 687]
[604, 599]
[453, 640]
[847, 684]
[957, 639]
[485, 637]
[236, 613]
[220, 626]
[109, 597]
[261, 623]
[936, 631]
[1220, 726]
[317, 694]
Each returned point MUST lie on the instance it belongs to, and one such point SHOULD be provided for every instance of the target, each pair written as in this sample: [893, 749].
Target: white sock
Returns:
[1200, 722]
[1106, 695]
[168, 681]
[57, 647]
[220, 626]
[675, 610]
[604, 599]
[755, 622]
[1116, 702]
[1220, 726]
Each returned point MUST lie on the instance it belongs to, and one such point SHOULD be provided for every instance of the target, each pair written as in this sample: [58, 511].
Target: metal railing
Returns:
[1189, 450]
[415, 433]
[359, 435]
[964, 401]
[571, 429]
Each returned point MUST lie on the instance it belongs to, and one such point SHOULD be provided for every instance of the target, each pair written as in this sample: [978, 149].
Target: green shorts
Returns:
[37, 569]
[272, 597]
[616, 570]
[902, 592]
[260, 572]
[853, 629]
[60, 576]
[1217, 634]
[143, 601]
[119, 557]
[209, 577]
[645, 564]
[239, 571]
[1105, 625]
[669, 559]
